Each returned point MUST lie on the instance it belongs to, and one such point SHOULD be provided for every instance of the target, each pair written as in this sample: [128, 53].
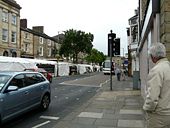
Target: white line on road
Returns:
[49, 117]
[39, 125]
[79, 84]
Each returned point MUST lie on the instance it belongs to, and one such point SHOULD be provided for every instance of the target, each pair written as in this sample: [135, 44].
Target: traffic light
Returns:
[116, 46]
[111, 37]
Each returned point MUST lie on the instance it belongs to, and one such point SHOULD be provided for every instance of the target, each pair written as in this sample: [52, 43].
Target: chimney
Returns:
[39, 29]
[23, 23]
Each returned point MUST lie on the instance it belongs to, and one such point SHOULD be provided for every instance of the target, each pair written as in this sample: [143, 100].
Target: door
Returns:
[13, 102]
[34, 85]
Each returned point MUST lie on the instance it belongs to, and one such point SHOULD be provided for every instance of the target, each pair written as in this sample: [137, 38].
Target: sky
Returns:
[95, 16]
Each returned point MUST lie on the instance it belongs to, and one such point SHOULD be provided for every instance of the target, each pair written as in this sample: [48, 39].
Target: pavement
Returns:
[119, 108]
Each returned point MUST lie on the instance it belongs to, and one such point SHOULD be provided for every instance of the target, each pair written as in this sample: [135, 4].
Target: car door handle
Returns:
[26, 92]
[42, 87]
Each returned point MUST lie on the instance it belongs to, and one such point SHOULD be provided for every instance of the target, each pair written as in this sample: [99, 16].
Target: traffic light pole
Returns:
[111, 37]
[111, 51]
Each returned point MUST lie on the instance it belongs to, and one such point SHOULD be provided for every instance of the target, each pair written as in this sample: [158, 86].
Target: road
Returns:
[68, 93]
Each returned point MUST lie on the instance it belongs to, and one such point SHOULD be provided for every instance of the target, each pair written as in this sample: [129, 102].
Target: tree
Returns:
[95, 57]
[75, 42]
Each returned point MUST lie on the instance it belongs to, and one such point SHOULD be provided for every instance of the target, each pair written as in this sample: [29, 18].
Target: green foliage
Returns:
[75, 42]
[95, 57]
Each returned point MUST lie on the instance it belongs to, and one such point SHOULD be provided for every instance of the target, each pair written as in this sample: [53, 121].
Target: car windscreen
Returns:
[3, 80]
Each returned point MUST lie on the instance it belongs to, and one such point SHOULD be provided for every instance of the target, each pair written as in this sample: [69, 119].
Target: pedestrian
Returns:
[157, 101]
[118, 73]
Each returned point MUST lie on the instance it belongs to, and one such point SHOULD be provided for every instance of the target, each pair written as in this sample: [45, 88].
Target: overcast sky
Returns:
[95, 16]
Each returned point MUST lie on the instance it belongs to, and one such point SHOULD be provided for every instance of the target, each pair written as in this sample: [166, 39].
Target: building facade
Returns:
[154, 24]
[10, 28]
[133, 37]
[35, 43]
[16, 40]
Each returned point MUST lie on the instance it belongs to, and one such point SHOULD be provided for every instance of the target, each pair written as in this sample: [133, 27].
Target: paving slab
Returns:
[131, 123]
[126, 111]
[91, 114]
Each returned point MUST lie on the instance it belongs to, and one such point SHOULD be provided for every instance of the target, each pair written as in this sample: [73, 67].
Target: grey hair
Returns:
[157, 50]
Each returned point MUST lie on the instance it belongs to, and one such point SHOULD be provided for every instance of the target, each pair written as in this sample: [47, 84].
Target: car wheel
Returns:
[45, 102]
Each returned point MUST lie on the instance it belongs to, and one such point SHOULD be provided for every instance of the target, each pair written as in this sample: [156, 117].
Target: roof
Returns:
[134, 17]
[12, 3]
[38, 34]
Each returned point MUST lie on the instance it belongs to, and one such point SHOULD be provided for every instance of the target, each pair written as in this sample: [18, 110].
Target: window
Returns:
[3, 80]
[5, 16]
[5, 35]
[41, 51]
[49, 42]
[26, 47]
[41, 40]
[18, 81]
[49, 51]
[5, 53]
[40, 78]
[13, 37]
[26, 35]
[14, 54]
[14, 20]
[30, 79]
[33, 78]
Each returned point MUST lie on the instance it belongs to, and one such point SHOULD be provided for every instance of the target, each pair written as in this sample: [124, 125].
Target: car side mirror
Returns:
[11, 88]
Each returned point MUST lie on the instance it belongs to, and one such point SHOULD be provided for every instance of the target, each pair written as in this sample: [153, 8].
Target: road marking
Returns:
[39, 125]
[80, 84]
[49, 117]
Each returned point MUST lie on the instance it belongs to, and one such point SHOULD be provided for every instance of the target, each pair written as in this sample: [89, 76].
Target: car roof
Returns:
[14, 72]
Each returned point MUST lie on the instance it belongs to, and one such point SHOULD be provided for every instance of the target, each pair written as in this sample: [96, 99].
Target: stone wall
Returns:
[143, 8]
[165, 24]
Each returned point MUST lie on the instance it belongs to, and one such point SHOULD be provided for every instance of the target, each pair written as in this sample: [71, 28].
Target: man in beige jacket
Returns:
[157, 102]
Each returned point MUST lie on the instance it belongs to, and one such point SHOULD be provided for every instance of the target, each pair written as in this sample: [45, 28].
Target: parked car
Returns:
[21, 92]
[44, 72]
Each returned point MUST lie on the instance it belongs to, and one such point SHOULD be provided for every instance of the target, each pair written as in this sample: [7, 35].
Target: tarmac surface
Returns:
[119, 108]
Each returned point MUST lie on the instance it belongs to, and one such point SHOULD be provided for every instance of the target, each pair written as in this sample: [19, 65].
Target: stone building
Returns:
[35, 43]
[154, 26]
[10, 28]
[133, 37]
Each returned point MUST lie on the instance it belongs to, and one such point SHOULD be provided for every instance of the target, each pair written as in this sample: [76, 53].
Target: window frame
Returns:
[26, 48]
[5, 16]
[14, 19]
[13, 37]
[4, 35]
[49, 42]
[49, 51]
[41, 40]
[41, 50]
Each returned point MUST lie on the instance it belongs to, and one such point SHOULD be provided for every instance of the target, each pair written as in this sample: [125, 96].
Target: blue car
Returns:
[20, 92]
